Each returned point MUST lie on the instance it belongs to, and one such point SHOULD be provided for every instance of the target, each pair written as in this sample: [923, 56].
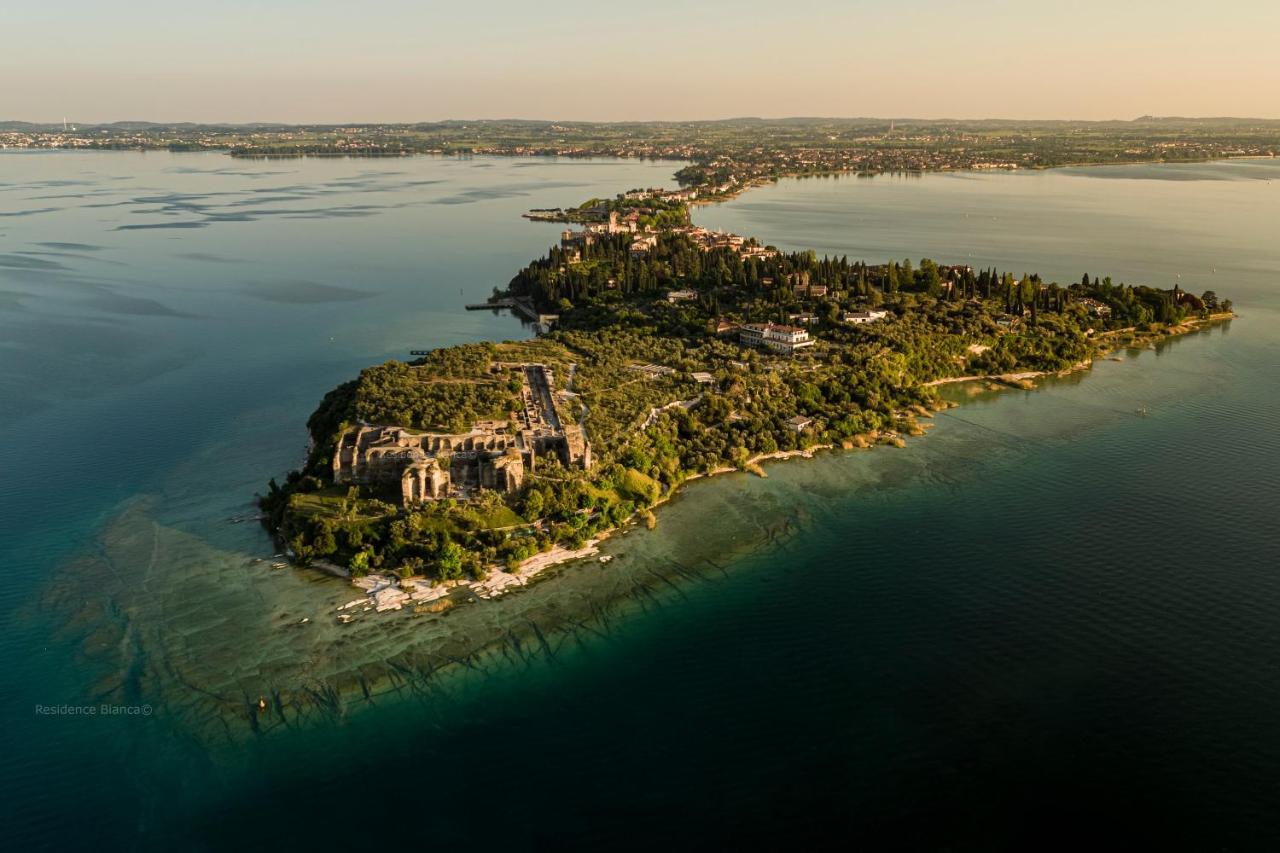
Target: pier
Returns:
[498, 303]
[521, 306]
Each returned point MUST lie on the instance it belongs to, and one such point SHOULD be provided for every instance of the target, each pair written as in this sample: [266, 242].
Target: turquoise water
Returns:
[1050, 623]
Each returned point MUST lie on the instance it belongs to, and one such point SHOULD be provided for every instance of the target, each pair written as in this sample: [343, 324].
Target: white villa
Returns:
[783, 339]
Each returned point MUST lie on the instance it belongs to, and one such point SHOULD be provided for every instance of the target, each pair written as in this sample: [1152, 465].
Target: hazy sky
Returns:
[417, 60]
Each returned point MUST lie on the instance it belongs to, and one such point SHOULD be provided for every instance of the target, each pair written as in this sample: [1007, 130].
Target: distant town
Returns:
[723, 158]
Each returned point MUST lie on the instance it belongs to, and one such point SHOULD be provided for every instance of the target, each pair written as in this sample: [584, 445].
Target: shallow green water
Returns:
[1051, 621]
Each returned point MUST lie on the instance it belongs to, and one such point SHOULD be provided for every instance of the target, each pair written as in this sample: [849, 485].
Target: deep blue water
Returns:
[1051, 624]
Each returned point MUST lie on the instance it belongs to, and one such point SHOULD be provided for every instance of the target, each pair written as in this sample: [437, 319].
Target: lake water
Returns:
[1052, 623]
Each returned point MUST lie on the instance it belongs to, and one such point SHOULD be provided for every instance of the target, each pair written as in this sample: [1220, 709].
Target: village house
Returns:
[1096, 308]
[681, 295]
[706, 241]
[621, 225]
[760, 252]
[573, 239]
[799, 423]
[1187, 300]
[644, 243]
[859, 318]
[680, 195]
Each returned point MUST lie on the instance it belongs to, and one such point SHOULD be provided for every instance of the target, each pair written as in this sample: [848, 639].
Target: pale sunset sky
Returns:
[417, 60]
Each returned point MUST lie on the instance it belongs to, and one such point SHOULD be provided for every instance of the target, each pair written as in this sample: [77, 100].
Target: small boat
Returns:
[262, 704]
[606, 558]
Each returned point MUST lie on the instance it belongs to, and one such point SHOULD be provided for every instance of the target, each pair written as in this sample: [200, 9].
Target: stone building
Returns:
[496, 455]
[424, 480]
[503, 473]
[432, 466]
[779, 338]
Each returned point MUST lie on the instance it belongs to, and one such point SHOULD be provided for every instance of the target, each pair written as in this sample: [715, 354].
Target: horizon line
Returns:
[743, 118]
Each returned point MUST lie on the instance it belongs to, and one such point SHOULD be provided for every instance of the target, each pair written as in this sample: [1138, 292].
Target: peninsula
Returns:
[665, 352]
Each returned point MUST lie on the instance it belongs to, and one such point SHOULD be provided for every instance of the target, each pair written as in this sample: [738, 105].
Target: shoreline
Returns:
[437, 600]
[496, 580]
[1144, 340]
[539, 567]
[500, 581]
[1021, 380]
[729, 195]
[462, 651]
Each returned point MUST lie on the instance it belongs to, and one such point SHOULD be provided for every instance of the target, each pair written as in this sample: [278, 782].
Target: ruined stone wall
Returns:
[424, 481]
[493, 454]
[503, 472]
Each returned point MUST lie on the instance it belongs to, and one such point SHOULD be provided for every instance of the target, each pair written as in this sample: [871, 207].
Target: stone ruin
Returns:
[492, 455]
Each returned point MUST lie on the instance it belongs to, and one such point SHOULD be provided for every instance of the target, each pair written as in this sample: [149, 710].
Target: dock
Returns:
[520, 306]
